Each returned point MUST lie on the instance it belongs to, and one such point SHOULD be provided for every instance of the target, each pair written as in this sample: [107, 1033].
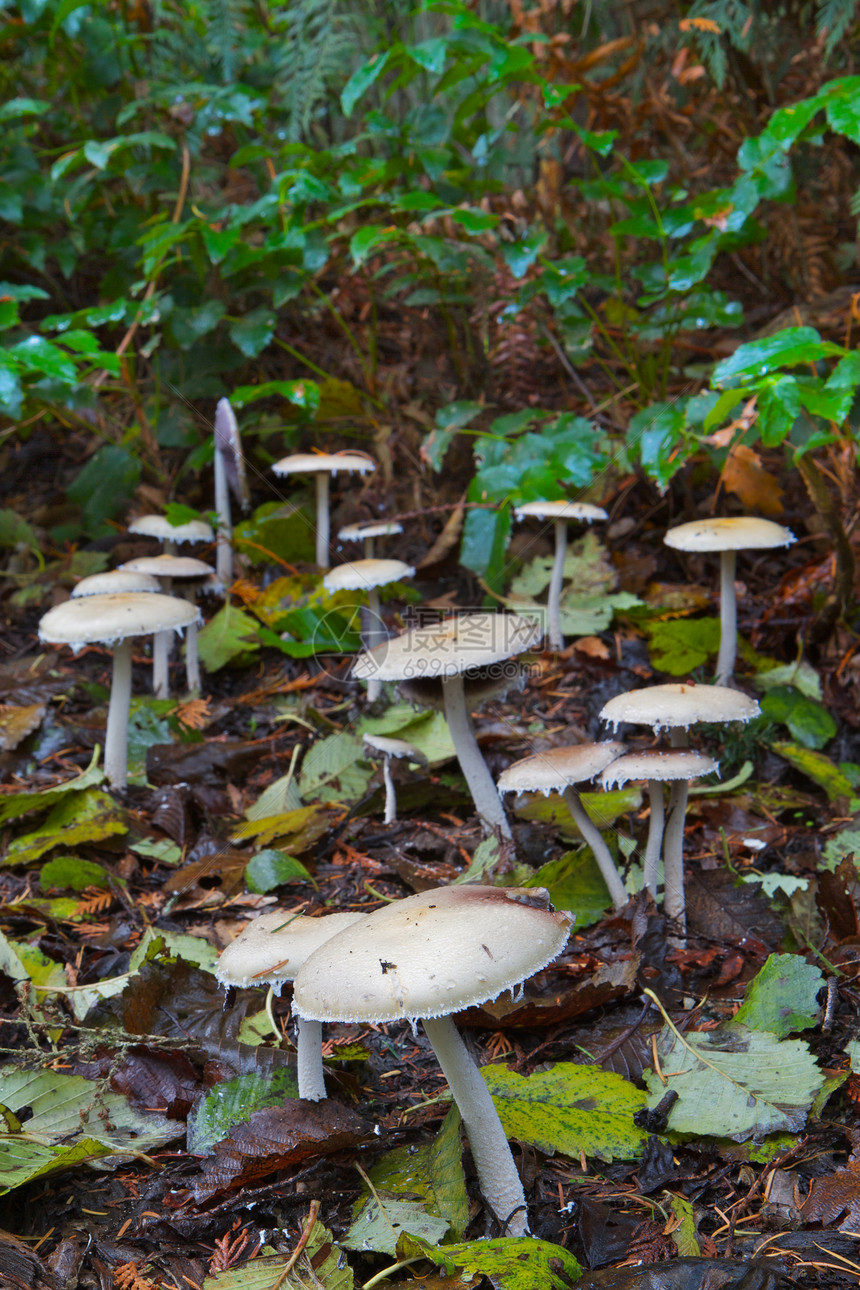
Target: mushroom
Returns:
[728, 536]
[229, 477]
[113, 620]
[676, 707]
[167, 567]
[114, 580]
[171, 535]
[557, 770]
[270, 951]
[369, 575]
[445, 651]
[367, 531]
[427, 957]
[560, 513]
[392, 748]
[657, 768]
[323, 465]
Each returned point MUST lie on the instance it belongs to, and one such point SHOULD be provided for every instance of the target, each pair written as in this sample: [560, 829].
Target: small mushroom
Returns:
[367, 532]
[560, 513]
[427, 957]
[114, 580]
[657, 768]
[728, 535]
[114, 620]
[270, 951]
[369, 576]
[193, 573]
[229, 477]
[558, 770]
[171, 535]
[324, 465]
[392, 749]
[445, 651]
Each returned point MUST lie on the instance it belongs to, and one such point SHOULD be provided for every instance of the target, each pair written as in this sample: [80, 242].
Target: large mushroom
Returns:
[728, 535]
[676, 707]
[113, 620]
[560, 513]
[427, 957]
[558, 770]
[270, 951]
[445, 651]
[324, 465]
[369, 575]
[116, 581]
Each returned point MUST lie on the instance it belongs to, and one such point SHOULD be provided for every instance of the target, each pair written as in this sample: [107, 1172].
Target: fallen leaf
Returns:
[744, 475]
[16, 723]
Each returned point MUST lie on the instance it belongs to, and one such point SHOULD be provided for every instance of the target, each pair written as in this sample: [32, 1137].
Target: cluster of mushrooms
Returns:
[432, 954]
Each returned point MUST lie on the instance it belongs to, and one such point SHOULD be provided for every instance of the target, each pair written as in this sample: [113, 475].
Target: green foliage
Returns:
[509, 1263]
[234, 1101]
[680, 645]
[782, 997]
[271, 868]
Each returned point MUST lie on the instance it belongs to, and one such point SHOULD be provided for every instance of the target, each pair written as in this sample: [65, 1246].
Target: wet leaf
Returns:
[382, 1220]
[22, 1159]
[16, 723]
[603, 809]
[575, 883]
[276, 1138]
[816, 767]
[21, 803]
[783, 996]
[71, 873]
[682, 644]
[808, 721]
[321, 1266]
[90, 816]
[331, 771]
[230, 634]
[735, 1083]
[509, 1263]
[295, 831]
[234, 1102]
[272, 868]
[570, 1108]
[431, 1173]
[281, 796]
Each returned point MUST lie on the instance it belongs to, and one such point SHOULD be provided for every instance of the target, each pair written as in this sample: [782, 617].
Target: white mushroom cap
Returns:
[99, 619]
[562, 510]
[313, 463]
[676, 763]
[372, 528]
[272, 948]
[169, 566]
[449, 648]
[361, 575]
[556, 769]
[114, 580]
[730, 533]
[679, 704]
[432, 954]
[394, 748]
[158, 527]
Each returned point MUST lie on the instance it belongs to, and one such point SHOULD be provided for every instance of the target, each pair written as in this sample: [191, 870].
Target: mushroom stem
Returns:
[119, 707]
[309, 1062]
[728, 619]
[494, 1163]
[390, 795]
[224, 551]
[599, 848]
[369, 548]
[555, 639]
[192, 658]
[673, 858]
[485, 795]
[651, 863]
[322, 518]
[160, 665]
[375, 637]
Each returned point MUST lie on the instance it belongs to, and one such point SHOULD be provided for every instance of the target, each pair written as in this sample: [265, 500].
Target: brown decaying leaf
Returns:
[194, 714]
[279, 1137]
[744, 475]
[16, 723]
[835, 1196]
[447, 539]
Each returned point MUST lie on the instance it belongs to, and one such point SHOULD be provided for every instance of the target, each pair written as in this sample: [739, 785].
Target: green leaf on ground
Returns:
[320, 1266]
[820, 769]
[294, 831]
[432, 1174]
[801, 676]
[381, 1221]
[684, 1235]
[230, 634]
[22, 1159]
[679, 646]
[331, 771]
[427, 731]
[735, 1083]
[782, 997]
[574, 883]
[570, 1108]
[21, 803]
[808, 721]
[234, 1102]
[603, 809]
[71, 873]
[90, 816]
[842, 844]
[272, 868]
[509, 1263]
[281, 796]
